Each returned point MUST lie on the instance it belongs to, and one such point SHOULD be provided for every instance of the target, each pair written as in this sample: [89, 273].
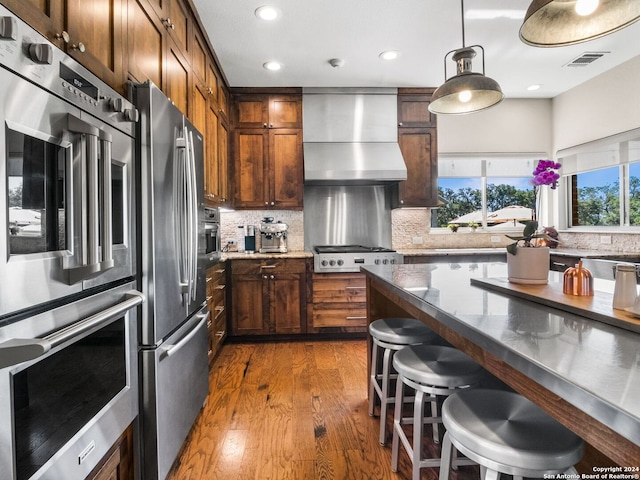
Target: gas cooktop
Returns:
[349, 258]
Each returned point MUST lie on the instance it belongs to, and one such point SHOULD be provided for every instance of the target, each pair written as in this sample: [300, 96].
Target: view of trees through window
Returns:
[596, 195]
[460, 200]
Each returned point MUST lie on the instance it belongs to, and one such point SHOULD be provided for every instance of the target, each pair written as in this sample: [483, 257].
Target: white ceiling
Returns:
[309, 33]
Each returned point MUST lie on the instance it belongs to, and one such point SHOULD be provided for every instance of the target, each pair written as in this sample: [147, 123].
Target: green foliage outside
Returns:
[597, 206]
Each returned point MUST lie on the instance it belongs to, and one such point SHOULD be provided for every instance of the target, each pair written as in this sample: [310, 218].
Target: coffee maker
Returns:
[273, 236]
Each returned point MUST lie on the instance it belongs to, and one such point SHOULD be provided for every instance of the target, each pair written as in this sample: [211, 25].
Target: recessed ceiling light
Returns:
[266, 12]
[273, 66]
[389, 55]
[531, 88]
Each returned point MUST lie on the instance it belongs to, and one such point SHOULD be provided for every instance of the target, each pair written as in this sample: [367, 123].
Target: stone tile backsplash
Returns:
[410, 226]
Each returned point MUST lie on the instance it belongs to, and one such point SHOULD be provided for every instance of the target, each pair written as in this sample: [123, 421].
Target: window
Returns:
[602, 180]
[486, 189]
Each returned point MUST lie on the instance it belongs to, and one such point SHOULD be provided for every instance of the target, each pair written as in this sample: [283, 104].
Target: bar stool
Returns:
[432, 371]
[391, 335]
[506, 433]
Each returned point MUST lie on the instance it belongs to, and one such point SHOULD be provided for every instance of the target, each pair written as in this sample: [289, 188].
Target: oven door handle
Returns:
[95, 221]
[18, 350]
[106, 144]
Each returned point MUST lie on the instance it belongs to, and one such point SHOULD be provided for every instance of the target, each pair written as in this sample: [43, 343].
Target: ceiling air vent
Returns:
[585, 59]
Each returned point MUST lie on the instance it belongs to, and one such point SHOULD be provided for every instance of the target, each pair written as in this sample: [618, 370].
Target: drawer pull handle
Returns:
[355, 288]
[355, 318]
[267, 266]
[220, 287]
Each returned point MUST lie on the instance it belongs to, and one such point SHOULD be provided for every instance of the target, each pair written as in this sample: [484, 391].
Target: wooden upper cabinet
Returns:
[46, 16]
[178, 73]
[175, 18]
[223, 161]
[199, 62]
[251, 111]
[419, 150]
[285, 111]
[178, 24]
[413, 109]
[145, 45]
[285, 168]
[268, 111]
[251, 154]
[93, 28]
[198, 112]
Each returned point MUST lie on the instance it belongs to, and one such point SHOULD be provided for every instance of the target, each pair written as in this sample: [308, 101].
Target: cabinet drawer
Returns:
[340, 317]
[269, 266]
[349, 288]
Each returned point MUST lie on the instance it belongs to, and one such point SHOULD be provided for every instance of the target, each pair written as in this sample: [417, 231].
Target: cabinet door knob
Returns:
[64, 36]
[272, 277]
[264, 125]
[209, 91]
[271, 125]
[168, 24]
[79, 47]
[399, 124]
[273, 203]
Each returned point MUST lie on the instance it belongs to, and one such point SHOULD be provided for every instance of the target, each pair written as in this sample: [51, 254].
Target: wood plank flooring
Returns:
[291, 411]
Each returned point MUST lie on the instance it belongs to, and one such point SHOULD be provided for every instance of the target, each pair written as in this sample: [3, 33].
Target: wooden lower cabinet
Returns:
[216, 301]
[268, 296]
[117, 464]
[339, 303]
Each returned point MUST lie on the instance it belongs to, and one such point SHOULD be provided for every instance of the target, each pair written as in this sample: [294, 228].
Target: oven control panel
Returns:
[28, 54]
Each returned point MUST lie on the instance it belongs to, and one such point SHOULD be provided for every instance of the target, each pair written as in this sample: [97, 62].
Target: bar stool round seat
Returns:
[431, 372]
[390, 335]
[506, 433]
[400, 331]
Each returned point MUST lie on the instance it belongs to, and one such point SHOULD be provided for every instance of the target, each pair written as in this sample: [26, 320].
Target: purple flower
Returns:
[545, 174]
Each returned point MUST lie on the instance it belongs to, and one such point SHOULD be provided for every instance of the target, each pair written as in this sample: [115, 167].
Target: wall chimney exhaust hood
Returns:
[351, 136]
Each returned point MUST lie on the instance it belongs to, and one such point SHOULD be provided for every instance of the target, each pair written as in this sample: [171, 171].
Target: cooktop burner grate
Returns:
[322, 249]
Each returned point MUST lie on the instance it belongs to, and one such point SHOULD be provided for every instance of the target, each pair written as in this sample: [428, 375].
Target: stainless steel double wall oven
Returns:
[68, 304]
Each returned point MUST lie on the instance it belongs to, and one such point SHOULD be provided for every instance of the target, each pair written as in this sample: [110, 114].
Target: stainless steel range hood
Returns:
[351, 136]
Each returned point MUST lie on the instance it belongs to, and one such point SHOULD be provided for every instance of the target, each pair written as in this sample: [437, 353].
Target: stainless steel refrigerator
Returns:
[173, 330]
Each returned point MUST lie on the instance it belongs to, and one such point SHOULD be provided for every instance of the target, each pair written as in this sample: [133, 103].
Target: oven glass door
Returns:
[66, 200]
[37, 171]
[57, 396]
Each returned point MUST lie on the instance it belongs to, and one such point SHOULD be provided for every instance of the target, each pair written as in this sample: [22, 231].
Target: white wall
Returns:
[515, 125]
[603, 106]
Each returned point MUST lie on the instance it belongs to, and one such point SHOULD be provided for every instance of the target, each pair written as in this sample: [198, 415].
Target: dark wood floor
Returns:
[291, 410]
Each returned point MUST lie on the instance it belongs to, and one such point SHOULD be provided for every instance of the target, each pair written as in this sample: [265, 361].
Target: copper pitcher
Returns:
[578, 281]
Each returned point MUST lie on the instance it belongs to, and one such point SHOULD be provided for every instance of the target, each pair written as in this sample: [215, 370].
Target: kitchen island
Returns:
[584, 373]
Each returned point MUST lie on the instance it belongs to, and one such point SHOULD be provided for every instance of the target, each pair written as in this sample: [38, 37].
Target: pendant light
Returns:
[467, 91]
[556, 23]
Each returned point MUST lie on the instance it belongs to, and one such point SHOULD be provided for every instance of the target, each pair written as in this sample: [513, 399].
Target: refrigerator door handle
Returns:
[193, 230]
[181, 214]
[173, 349]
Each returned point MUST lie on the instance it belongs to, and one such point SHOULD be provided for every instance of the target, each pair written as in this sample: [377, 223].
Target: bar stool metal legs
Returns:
[390, 335]
[431, 372]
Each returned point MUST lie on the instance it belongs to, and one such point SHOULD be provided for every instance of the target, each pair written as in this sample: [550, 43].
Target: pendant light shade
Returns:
[555, 23]
[467, 91]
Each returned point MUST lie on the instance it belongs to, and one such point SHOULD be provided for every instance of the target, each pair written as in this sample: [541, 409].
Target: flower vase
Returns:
[530, 265]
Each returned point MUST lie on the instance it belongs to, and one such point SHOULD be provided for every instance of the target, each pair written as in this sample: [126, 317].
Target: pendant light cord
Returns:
[462, 14]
